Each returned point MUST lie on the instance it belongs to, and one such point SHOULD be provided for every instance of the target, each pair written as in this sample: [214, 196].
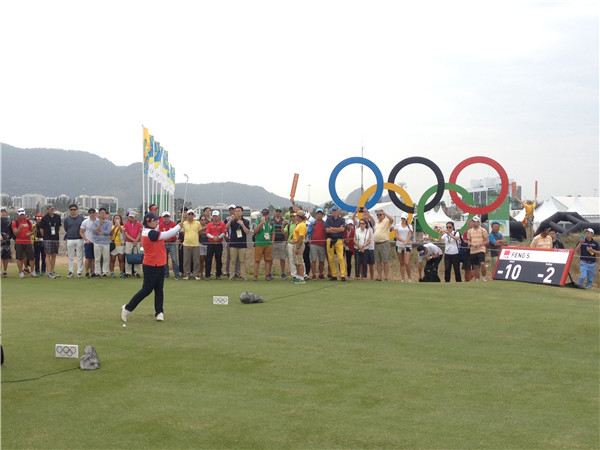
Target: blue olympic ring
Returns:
[355, 160]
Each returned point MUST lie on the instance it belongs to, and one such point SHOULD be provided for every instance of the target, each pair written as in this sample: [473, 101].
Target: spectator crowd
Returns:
[300, 245]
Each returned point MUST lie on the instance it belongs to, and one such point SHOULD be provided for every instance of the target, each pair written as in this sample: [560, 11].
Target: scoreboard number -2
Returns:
[543, 266]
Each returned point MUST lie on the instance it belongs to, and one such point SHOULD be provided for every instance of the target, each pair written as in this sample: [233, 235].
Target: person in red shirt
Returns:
[215, 232]
[349, 247]
[23, 230]
[165, 224]
[133, 235]
[155, 256]
[318, 240]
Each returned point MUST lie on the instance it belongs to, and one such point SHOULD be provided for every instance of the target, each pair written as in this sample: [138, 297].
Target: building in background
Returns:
[482, 188]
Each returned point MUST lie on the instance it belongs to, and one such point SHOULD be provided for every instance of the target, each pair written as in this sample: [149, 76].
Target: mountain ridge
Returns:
[91, 174]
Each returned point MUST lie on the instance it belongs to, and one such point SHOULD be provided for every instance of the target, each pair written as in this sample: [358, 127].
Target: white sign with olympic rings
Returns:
[66, 351]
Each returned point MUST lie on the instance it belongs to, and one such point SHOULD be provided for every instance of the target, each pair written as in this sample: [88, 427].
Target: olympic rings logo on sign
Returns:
[377, 189]
[66, 350]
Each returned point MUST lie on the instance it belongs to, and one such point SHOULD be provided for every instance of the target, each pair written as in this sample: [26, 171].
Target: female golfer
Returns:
[153, 266]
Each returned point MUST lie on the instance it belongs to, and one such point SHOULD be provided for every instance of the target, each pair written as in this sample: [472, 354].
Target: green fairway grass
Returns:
[319, 365]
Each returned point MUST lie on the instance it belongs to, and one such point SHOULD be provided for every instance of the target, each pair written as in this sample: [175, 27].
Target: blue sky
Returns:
[256, 91]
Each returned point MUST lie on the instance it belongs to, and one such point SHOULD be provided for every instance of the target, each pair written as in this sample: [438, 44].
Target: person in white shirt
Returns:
[432, 254]
[451, 239]
[403, 234]
[362, 239]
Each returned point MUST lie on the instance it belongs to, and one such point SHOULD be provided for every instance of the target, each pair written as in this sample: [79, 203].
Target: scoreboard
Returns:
[534, 265]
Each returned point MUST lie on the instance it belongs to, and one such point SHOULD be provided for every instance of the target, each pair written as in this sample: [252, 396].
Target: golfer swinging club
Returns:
[153, 266]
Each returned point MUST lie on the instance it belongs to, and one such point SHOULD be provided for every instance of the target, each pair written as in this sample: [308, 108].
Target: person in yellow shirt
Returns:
[191, 246]
[117, 246]
[528, 220]
[298, 243]
[542, 240]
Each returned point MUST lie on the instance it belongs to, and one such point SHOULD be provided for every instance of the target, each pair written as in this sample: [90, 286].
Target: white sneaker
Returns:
[33, 274]
[21, 274]
[124, 313]
[409, 280]
[476, 279]
[484, 278]
[160, 317]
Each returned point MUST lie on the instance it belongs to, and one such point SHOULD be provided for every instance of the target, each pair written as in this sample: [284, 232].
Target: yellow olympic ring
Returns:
[390, 186]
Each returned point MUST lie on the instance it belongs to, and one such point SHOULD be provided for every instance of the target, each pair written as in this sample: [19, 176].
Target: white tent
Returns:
[438, 217]
[549, 207]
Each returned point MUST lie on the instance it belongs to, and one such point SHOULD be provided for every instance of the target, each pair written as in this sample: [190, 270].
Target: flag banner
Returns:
[151, 157]
[158, 155]
[146, 149]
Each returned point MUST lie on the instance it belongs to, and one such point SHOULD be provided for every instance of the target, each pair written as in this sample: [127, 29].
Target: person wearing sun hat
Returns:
[153, 264]
[477, 240]
[23, 229]
[263, 245]
[133, 236]
[590, 249]
[215, 232]
[165, 224]
[298, 244]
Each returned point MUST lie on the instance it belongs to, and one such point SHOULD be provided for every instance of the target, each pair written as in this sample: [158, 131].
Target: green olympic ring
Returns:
[421, 207]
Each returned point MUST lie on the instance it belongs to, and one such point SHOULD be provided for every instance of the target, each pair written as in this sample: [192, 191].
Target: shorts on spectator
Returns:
[22, 250]
[89, 250]
[51, 247]
[263, 252]
[203, 249]
[477, 258]
[370, 256]
[279, 250]
[120, 250]
[299, 257]
[6, 254]
[382, 251]
[405, 249]
[317, 253]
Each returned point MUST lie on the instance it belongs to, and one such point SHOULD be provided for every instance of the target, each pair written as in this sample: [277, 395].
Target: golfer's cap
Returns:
[20, 211]
[166, 213]
[132, 214]
[216, 212]
[191, 212]
[349, 222]
[404, 215]
[265, 212]
[589, 230]
[149, 216]
[319, 210]
[301, 213]
[39, 215]
[230, 207]
[278, 208]
[49, 206]
[476, 219]
[335, 208]
[153, 207]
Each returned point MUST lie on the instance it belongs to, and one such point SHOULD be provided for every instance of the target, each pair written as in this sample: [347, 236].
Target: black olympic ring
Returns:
[426, 162]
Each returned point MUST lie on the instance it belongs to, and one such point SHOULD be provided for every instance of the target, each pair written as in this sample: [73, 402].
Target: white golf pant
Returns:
[75, 246]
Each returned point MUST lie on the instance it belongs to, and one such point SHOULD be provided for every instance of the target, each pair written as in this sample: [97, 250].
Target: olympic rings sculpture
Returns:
[377, 189]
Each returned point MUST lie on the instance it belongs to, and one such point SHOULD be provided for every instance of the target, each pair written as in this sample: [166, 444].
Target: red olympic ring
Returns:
[503, 181]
